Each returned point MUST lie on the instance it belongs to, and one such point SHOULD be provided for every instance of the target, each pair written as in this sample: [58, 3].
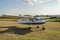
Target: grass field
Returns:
[11, 30]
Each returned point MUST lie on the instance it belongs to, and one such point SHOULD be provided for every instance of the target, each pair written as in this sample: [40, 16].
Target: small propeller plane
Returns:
[34, 21]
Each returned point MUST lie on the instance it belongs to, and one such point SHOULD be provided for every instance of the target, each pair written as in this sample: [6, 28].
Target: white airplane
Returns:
[35, 21]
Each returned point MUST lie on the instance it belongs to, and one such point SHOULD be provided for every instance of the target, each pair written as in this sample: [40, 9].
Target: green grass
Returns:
[8, 19]
[53, 20]
[47, 35]
[52, 32]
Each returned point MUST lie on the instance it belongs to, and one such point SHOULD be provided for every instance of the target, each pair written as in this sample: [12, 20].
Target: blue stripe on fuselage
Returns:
[34, 23]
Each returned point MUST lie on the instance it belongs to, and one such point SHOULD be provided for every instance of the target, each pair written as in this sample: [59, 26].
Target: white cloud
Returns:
[35, 1]
[47, 10]
[51, 10]
[58, 0]
[31, 2]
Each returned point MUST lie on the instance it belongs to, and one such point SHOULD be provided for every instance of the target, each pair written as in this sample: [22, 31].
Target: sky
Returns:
[30, 7]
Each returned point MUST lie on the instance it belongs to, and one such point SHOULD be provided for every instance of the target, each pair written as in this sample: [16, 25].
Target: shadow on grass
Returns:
[15, 30]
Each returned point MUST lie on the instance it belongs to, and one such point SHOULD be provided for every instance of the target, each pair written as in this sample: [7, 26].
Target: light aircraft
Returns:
[34, 21]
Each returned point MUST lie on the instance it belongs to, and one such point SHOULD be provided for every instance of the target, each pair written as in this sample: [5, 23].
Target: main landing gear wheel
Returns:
[37, 26]
[29, 28]
[43, 28]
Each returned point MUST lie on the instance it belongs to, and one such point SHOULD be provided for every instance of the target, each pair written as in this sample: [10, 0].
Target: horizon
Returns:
[30, 7]
[29, 14]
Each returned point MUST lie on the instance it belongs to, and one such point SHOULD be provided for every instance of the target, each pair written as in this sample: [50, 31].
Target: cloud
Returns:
[58, 1]
[54, 10]
[31, 2]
